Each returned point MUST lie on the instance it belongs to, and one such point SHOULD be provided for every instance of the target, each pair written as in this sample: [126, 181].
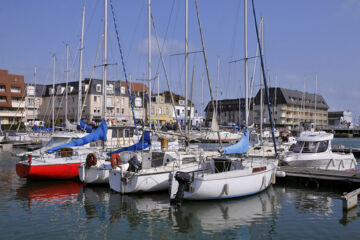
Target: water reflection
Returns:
[48, 192]
[225, 215]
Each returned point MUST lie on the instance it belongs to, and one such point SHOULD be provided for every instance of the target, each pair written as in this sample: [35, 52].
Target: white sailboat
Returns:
[226, 177]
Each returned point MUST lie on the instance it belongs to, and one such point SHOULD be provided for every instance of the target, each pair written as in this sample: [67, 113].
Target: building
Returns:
[230, 111]
[118, 106]
[12, 98]
[340, 118]
[33, 101]
[290, 107]
[179, 102]
[162, 110]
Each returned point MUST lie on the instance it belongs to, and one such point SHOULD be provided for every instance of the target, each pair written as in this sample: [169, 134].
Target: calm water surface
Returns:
[67, 210]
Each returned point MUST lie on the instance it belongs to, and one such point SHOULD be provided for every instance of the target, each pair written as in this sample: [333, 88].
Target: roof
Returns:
[315, 136]
[228, 104]
[293, 97]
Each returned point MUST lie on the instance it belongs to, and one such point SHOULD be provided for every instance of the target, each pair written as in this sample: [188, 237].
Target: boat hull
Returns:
[48, 171]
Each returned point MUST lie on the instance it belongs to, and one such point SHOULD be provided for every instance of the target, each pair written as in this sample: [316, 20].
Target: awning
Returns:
[162, 119]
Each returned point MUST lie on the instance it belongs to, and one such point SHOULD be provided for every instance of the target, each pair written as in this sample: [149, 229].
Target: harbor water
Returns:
[69, 210]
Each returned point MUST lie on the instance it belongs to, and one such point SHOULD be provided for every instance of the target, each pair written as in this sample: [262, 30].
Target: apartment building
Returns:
[33, 101]
[290, 107]
[118, 106]
[229, 111]
[161, 109]
[12, 98]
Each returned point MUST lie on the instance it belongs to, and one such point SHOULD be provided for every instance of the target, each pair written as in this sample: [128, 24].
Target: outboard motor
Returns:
[134, 165]
[183, 179]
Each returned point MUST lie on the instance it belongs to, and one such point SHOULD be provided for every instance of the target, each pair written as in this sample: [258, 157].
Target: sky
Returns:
[302, 39]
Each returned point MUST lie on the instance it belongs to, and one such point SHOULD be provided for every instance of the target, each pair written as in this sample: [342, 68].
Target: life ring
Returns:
[115, 158]
[91, 160]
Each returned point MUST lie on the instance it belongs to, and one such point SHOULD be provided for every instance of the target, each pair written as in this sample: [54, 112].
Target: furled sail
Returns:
[143, 143]
[214, 123]
[70, 126]
[242, 146]
[85, 127]
[98, 134]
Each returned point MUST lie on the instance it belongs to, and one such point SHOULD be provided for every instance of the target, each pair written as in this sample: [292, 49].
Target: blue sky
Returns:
[302, 39]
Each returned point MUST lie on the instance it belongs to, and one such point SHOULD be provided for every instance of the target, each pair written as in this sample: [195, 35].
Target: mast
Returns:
[275, 91]
[217, 85]
[67, 81]
[261, 79]
[246, 65]
[316, 85]
[104, 61]
[53, 95]
[149, 58]
[35, 71]
[186, 65]
[158, 97]
[202, 99]
[80, 65]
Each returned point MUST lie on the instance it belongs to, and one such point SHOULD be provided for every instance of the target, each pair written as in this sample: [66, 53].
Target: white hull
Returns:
[149, 180]
[228, 184]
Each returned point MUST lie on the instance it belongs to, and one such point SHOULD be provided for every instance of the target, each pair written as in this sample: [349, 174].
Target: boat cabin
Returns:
[315, 142]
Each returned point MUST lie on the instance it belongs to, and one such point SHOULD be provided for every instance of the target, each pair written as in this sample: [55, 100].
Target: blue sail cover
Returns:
[137, 146]
[98, 134]
[242, 146]
[85, 127]
[36, 129]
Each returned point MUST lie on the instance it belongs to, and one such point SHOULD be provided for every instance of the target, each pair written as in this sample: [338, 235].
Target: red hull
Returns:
[56, 171]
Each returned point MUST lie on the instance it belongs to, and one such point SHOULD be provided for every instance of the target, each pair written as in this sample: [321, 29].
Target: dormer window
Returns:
[122, 90]
[70, 89]
[181, 102]
[98, 87]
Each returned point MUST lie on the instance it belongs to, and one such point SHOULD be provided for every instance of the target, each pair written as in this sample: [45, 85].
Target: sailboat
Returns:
[231, 175]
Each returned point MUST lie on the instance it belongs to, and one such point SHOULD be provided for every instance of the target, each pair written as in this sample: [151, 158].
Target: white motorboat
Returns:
[313, 150]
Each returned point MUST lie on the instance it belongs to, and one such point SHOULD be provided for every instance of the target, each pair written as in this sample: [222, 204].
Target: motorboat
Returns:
[313, 150]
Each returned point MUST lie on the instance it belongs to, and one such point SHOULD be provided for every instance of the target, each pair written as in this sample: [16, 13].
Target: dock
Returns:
[320, 174]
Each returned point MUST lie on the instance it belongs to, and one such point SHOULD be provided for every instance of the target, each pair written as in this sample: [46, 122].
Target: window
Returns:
[51, 91]
[110, 89]
[122, 90]
[117, 110]
[178, 112]
[310, 147]
[2, 99]
[161, 100]
[122, 110]
[159, 110]
[109, 101]
[181, 102]
[167, 110]
[138, 102]
[323, 146]
[30, 90]
[152, 110]
[15, 89]
[122, 101]
[298, 146]
[98, 87]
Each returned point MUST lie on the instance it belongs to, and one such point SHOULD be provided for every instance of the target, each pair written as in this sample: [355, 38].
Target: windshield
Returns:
[310, 147]
[298, 146]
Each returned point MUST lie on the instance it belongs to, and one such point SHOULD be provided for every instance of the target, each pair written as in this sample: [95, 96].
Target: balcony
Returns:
[18, 104]
[11, 114]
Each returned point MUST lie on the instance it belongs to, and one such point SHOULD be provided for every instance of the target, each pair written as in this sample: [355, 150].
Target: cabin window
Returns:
[323, 146]
[310, 147]
[298, 146]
